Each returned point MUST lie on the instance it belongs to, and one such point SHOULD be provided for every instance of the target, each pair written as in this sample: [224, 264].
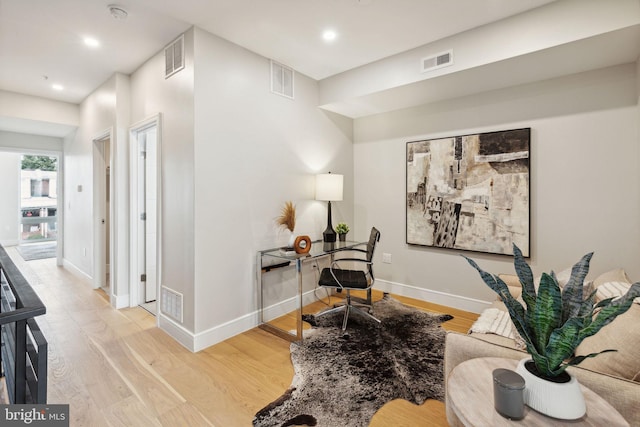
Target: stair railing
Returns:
[23, 348]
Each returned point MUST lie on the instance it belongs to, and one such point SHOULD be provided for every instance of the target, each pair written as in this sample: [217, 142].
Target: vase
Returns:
[292, 240]
[564, 401]
[342, 237]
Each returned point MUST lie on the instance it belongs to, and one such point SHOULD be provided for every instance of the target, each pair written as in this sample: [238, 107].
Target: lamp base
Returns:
[329, 235]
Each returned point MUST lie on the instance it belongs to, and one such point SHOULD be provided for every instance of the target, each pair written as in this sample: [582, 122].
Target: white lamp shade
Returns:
[329, 187]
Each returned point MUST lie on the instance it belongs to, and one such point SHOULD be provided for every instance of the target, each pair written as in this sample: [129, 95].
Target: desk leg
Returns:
[299, 315]
[259, 280]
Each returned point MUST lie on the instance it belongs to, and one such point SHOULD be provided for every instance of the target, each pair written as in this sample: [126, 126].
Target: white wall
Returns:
[98, 114]
[10, 206]
[584, 179]
[254, 150]
[151, 94]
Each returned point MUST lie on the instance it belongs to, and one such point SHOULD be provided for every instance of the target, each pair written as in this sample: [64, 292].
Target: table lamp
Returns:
[329, 189]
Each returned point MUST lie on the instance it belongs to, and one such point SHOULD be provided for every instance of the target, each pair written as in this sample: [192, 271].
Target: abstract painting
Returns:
[470, 192]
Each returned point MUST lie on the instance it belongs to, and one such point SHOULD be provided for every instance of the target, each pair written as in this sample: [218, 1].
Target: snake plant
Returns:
[554, 321]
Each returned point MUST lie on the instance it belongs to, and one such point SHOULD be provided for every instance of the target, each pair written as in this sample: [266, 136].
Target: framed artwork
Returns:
[470, 192]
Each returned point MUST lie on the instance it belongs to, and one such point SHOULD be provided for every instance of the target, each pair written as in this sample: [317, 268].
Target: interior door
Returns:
[147, 204]
[150, 201]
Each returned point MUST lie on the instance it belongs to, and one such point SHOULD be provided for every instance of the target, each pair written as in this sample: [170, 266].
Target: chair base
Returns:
[348, 308]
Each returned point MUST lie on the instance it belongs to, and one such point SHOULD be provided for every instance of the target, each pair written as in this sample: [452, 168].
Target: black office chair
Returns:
[348, 280]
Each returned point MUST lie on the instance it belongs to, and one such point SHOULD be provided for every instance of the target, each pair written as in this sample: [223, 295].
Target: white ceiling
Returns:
[45, 38]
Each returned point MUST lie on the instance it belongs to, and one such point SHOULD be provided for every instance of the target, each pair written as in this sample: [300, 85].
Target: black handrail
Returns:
[23, 354]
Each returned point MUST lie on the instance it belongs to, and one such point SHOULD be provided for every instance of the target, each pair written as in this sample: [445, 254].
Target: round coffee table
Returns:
[470, 394]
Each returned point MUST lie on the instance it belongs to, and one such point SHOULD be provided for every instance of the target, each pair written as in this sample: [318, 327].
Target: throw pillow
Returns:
[615, 275]
[611, 290]
[623, 335]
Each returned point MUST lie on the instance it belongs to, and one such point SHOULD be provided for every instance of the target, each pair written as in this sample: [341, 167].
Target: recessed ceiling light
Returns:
[57, 87]
[329, 35]
[91, 42]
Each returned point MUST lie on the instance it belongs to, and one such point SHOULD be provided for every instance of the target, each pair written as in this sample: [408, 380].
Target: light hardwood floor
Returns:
[115, 368]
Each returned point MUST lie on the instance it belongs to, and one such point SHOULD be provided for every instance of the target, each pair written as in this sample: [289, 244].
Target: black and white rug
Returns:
[343, 381]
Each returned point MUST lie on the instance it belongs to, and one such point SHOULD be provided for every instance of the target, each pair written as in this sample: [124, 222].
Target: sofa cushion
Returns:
[623, 334]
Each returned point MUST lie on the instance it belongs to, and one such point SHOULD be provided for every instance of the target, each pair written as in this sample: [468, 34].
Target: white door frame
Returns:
[134, 294]
[99, 206]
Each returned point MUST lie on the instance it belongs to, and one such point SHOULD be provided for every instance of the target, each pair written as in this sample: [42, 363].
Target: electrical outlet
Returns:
[386, 258]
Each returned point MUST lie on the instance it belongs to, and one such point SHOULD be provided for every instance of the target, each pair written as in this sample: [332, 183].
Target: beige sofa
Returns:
[613, 376]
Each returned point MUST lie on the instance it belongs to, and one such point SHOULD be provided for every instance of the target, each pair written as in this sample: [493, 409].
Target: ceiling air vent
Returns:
[281, 80]
[174, 57]
[440, 60]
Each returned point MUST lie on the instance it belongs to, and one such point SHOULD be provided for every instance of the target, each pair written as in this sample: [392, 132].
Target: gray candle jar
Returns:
[508, 393]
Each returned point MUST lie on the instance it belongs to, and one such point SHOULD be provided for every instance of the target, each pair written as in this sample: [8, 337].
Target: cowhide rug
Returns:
[343, 380]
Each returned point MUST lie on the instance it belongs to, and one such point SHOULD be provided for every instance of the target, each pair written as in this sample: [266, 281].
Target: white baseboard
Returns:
[196, 342]
[234, 327]
[7, 243]
[177, 332]
[436, 297]
[224, 331]
[77, 272]
[121, 301]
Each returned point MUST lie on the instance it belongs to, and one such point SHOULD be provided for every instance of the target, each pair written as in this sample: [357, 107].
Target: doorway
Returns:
[102, 163]
[38, 206]
[145, 242]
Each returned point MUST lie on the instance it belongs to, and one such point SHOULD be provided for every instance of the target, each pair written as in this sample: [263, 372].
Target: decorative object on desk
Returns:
[302, 244]
[399, 359]
[553, 324]
[470, 192]
[329, 189]
[287, 220]
[342, 229]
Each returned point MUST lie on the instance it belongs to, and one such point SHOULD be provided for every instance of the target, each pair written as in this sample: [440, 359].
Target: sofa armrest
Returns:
[622, 394]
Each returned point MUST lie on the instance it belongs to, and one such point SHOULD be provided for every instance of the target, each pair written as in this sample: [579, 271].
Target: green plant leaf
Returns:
[579, 359]
[547, 313]
[562, 344]
[572, 295]
[525, 275]
[515, 309]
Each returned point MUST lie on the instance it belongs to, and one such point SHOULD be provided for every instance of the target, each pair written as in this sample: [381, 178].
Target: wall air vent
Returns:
[174, 57]
[282, 80]
[440, 60]
[171, 303]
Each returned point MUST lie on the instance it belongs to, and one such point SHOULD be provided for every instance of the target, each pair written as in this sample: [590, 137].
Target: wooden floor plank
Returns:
[116, 368]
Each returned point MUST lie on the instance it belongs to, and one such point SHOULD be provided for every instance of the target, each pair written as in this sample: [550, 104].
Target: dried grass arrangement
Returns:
[287, 218]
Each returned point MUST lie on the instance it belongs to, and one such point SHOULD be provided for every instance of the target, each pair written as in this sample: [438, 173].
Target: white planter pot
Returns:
[564, 401]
